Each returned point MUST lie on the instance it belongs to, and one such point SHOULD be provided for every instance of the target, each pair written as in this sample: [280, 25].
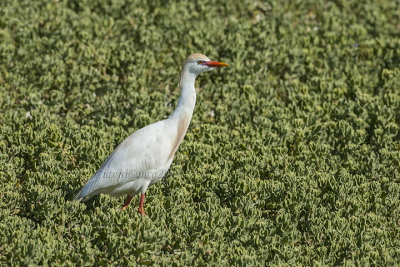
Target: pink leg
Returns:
[141, 210]
[128, 200]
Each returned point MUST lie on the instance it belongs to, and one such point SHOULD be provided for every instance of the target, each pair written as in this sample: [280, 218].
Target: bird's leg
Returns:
[128, 200]
[141, 210]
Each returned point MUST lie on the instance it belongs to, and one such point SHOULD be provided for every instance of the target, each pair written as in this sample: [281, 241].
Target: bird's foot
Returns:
[128, 200]
[141, 211]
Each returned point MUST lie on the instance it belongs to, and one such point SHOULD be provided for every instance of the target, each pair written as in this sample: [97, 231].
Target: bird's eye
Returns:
[200, 62]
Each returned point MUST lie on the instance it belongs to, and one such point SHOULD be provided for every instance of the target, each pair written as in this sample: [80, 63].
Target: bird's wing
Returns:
[136, 157]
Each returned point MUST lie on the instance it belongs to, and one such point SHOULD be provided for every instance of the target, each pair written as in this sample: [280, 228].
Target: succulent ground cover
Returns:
[292, 156]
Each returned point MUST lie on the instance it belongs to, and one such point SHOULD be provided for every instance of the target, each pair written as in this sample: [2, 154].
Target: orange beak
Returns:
[213, 64]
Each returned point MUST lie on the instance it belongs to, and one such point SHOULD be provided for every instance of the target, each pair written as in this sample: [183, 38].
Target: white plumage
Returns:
[144, 157]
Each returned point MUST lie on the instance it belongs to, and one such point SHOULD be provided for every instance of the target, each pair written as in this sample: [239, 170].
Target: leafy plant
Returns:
[292, 156]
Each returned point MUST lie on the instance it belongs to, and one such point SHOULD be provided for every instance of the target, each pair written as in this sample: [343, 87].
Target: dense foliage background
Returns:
[292, 156]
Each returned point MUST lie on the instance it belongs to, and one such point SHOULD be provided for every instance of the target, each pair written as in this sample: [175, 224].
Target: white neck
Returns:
[187, 100]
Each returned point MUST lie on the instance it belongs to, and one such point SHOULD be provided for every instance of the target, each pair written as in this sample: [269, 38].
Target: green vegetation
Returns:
[292, 156]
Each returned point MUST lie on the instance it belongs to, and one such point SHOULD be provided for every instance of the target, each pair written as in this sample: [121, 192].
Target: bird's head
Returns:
[198, 63]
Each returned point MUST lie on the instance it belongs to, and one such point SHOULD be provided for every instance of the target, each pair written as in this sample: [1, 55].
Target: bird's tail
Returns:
[78, 197]
[87, 191]
[82, 196]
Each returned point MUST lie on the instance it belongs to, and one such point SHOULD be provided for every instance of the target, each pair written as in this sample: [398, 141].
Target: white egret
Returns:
[144, 157]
